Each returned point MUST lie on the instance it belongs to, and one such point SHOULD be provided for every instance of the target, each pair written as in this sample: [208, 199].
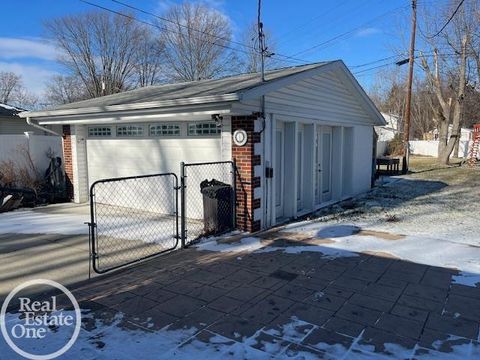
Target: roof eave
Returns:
[134, 106]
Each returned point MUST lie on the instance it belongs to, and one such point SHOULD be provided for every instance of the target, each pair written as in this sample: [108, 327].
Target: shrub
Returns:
[395, 146]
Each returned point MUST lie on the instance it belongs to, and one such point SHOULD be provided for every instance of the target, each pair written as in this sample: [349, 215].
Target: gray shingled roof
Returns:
[226, 85]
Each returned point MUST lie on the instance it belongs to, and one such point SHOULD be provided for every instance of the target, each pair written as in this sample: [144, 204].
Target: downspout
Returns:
[29, 122]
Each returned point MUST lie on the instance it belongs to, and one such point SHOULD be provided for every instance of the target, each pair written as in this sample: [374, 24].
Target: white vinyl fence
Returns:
[17, 148]
[430, 148]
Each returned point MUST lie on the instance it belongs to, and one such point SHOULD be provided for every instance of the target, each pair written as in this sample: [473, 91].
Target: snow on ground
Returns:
[118, 340]
[154, 229]
[25, 221]
[416, 220]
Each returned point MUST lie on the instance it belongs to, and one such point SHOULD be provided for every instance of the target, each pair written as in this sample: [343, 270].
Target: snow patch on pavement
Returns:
[468, 279]
[245, 244]
[418, 249]
[34, 222]
[254, 244]
[112, 340]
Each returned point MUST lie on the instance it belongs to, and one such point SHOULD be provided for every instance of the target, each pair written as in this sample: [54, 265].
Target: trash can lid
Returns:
[216, 191]
[214, 182]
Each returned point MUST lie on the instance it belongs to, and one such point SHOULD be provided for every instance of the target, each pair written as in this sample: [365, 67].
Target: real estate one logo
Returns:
[39, 329]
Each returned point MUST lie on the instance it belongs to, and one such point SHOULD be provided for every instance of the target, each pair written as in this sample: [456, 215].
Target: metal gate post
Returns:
[234, 210]
[182, 204]
[92, 256]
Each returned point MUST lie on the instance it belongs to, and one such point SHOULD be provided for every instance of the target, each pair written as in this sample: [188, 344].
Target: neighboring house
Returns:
[390, 129]
[12, 124]
[20, 142]
[317, 136]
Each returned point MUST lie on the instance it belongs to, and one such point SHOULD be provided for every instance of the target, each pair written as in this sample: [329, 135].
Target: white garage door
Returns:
[118, 157]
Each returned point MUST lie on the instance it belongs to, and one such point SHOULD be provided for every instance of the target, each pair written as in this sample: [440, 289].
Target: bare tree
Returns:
[423, 120]
[13, 92]
[65, 89]
[388, 92]
[10, 84]
[196, 40]
[446, 72]
[149, 59]
[98, 48]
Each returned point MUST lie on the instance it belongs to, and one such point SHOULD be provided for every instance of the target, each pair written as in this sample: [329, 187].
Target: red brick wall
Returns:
[246, 160]
[67, 158]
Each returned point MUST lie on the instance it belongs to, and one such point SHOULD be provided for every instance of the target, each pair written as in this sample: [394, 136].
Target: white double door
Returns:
[323, 164]
[322, 167]
[282, 170]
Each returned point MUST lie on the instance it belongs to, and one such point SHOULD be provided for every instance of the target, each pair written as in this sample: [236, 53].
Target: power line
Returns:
[448, 21]
[200, 31]
[181, 25]
[375, 61]
[294, 30]
[157, 26]
[349, 32]
[394, 63]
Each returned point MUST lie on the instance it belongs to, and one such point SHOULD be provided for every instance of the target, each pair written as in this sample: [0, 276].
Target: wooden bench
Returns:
[392, 164]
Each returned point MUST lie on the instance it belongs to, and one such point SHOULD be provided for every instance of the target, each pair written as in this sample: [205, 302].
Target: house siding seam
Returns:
[67, 158]
[247, 182]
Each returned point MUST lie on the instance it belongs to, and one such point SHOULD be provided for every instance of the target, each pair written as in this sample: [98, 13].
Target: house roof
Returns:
[192, 89]
[7, 110]
[200, 98]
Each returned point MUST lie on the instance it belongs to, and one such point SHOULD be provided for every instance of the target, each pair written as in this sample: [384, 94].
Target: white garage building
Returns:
[309, 128]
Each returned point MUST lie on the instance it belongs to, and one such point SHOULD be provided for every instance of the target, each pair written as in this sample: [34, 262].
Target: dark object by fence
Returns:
[193, 225]
[392, 164]
[13, 198]
[217, 206]
[55, 186]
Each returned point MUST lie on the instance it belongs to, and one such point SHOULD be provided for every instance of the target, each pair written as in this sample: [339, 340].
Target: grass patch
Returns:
[427, 168]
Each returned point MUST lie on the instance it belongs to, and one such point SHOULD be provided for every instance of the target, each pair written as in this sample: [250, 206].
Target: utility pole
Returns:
[261, 41]
[406, 125]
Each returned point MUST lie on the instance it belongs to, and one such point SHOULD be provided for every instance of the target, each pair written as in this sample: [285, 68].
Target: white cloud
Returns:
[34, 76]
[15, 48]
[367, 32]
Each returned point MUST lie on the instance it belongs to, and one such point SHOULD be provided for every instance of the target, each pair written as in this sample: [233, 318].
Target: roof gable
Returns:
[344, 76]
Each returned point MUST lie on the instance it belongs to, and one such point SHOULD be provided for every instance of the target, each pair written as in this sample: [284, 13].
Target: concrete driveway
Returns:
[46, 242]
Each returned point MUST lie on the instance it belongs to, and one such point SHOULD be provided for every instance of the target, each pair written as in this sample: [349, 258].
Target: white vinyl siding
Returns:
[165, 130]
[130, 131]
[99, 131]
[324, 97]
[203, 128]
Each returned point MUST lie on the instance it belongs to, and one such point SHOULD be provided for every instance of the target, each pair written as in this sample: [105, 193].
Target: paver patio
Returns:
[276, 304]
[311, 290]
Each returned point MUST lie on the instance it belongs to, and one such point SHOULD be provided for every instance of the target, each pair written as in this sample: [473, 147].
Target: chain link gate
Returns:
[201, 216]
[132, 219]
[135, 218]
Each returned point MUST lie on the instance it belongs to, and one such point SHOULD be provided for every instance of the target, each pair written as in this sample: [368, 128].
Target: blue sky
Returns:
[372, 26]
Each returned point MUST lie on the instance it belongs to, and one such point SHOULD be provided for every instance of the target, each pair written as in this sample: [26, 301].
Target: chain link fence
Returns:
[208, 199]
[132, 219]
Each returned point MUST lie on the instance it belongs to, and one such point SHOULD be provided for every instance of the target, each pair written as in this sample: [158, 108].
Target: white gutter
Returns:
[29, 122]
[194, 115]
[134, 106]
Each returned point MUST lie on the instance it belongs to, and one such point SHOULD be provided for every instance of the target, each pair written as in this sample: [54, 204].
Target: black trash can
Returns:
[217, 206]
